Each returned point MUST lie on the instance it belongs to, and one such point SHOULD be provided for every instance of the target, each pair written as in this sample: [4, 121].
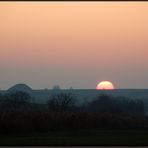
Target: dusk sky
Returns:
[74, 44]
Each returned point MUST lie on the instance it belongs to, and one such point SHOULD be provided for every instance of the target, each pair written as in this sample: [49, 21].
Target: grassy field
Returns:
[81, 137]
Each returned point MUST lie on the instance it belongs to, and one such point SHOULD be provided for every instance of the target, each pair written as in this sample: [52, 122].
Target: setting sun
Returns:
[105, 85]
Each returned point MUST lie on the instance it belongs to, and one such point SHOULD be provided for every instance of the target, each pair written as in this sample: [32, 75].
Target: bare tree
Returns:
[56, 87]
[61, 102]
[16, 100]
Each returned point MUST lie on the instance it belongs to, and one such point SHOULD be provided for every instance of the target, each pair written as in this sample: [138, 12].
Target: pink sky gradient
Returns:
[74, 44]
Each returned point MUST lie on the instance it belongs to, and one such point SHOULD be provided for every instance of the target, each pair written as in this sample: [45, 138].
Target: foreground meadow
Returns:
[92, 137]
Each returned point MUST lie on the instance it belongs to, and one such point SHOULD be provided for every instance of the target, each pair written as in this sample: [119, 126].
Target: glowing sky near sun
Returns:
[105, 85]
[74, 44]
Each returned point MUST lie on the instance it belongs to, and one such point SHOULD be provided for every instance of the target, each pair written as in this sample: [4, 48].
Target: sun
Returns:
[105, 85]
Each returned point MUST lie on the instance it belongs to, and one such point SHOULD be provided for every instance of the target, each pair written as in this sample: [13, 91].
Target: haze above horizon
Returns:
[76, 44]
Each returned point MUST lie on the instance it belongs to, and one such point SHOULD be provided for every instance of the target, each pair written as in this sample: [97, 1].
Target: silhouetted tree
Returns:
[106, 103]
[61, 102]
[1, 100]
[56, 87]
[16, 100]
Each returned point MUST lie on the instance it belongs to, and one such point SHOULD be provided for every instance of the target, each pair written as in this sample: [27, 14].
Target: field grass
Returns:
[80, 137]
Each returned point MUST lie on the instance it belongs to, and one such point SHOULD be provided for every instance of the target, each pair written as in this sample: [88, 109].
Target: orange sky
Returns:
[74, 44]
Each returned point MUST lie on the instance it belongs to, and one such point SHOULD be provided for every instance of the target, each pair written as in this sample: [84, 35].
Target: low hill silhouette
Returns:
[20, 87]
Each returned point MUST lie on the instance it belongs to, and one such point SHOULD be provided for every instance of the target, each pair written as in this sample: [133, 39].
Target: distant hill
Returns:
[41, 96]
[20, 87]
[82, 95]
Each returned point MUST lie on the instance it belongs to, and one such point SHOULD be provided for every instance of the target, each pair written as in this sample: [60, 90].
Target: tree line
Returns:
[19, 114]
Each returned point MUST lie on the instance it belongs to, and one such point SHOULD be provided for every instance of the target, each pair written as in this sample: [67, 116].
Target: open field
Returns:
[80, 137]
